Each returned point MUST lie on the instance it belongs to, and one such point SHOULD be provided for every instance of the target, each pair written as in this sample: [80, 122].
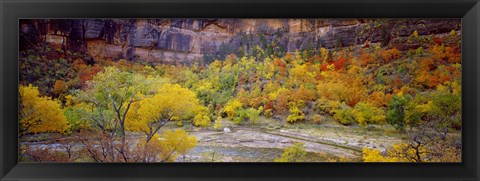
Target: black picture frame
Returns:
[467, 10]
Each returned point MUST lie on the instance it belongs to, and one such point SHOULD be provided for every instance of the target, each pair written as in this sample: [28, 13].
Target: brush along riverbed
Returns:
[260, 143]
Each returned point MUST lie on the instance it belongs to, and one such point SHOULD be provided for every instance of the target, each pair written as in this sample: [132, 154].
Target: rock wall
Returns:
[184, 40]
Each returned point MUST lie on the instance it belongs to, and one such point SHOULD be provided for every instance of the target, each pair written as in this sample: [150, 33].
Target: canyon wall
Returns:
[185, 40]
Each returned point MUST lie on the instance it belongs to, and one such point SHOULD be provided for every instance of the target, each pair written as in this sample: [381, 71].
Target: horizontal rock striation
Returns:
[185, 40]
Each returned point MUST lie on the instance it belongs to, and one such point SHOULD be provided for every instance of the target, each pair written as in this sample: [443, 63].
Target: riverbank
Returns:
[259, 143]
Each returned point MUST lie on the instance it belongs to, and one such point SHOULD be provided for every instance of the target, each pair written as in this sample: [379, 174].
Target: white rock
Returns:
[227, 130]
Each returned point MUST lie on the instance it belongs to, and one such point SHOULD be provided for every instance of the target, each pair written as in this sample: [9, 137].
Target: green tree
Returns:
[76, 118]
[442, 106]
[396, 111]
[115, 91]
[448, 108]
[240, 117]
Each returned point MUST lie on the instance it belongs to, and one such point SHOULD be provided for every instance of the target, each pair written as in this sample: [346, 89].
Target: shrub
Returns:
[453, 33]
[415, 34]
[366, 113]
[180, 123]
[201, 120]
[419, 51]
[317, 119]
[327, 107]
[241, 115]
[218, 123]
[295, 113]
[390, 54]
[295, 153]
[344, 116]
[268, 113]
[232, 107]
[253, 115]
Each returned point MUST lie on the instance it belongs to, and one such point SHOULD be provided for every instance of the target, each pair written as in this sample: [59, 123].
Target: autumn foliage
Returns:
[136, 111]
[39, 113]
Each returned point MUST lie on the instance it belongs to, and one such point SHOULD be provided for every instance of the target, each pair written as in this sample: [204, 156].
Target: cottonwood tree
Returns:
[171, 100]
[113, 92]
[175, 143]
[39, 113]
[110, 95]
[165, 147]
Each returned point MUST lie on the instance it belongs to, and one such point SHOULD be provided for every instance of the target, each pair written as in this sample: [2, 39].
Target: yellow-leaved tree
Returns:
[400, 152]
[165, 147]
[374, 155]
[218, 123]
[174, 143]
[295, 113]
[295, 153]
[232, 107]
[201, 120]
[39, 113]
[366, 113]
[152, 113]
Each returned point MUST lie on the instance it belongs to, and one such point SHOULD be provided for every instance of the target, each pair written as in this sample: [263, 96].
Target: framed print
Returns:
[156, 90]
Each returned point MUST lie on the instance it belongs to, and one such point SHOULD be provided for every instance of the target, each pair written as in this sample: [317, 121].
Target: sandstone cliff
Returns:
[184, 40]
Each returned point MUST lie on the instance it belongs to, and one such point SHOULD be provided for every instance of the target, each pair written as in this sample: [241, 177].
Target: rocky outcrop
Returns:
[184, 40]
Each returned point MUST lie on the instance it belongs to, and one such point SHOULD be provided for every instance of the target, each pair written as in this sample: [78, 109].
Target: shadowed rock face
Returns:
[184, 40]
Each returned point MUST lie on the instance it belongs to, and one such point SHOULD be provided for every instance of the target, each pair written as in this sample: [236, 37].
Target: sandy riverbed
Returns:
[255, 144]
